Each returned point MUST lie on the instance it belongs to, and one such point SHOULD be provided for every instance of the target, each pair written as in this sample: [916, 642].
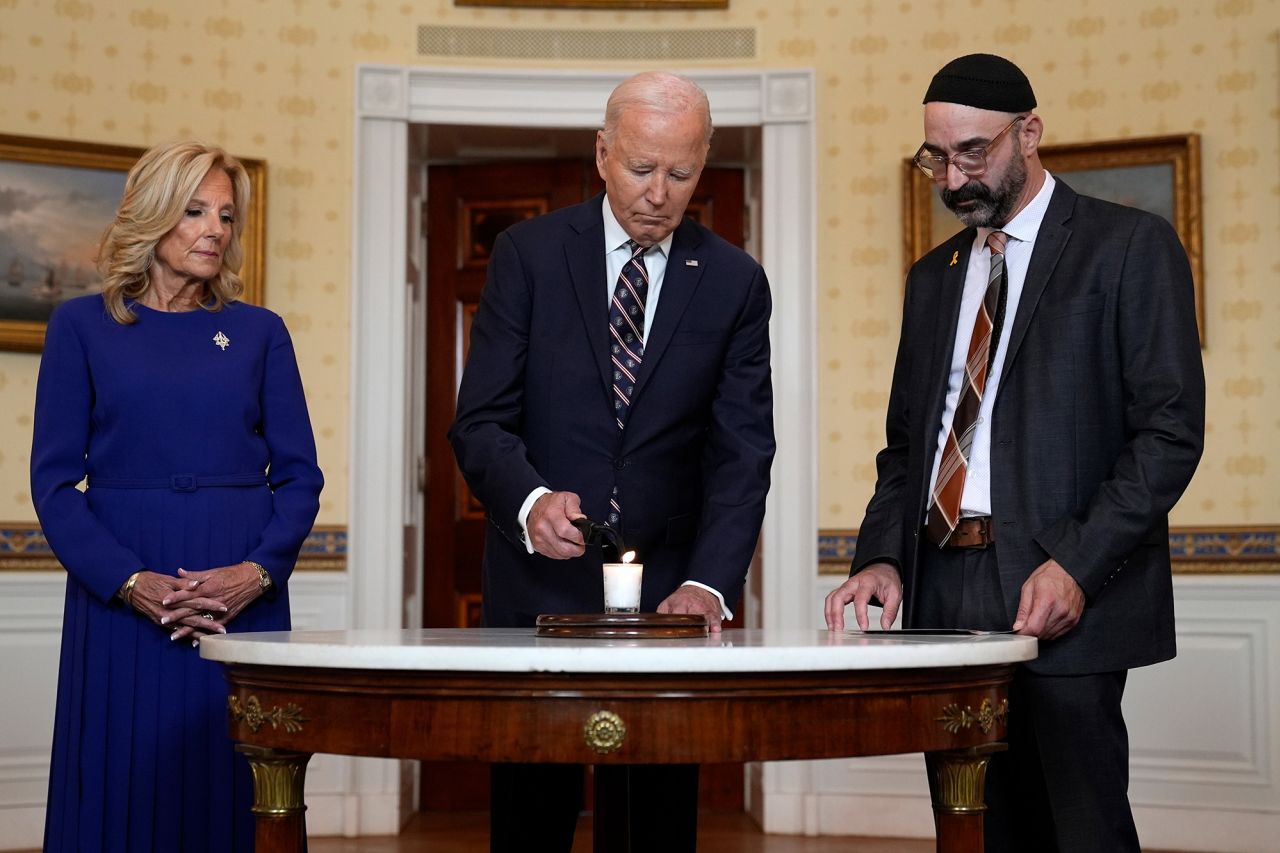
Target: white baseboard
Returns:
[1182, 828]
[23, 828]
[351, 815]
[834, 814]
[1218, 830]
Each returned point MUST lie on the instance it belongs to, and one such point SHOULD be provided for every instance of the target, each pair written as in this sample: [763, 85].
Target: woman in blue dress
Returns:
[184, 409]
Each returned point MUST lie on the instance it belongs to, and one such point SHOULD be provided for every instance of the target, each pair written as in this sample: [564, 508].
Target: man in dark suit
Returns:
[1046, 412]
[618, 369]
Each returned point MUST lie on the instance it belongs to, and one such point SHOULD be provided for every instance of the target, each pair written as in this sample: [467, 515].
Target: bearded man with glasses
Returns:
[1046, 412]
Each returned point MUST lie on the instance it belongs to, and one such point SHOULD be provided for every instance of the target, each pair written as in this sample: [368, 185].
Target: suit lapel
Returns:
[947, 317]
[584, 254]
[678, 285]
[1051, 239]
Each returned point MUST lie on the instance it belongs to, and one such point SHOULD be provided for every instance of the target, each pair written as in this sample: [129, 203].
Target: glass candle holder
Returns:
[622, 586]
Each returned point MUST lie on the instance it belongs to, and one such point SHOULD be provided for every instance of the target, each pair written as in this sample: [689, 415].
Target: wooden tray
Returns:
[614, 626]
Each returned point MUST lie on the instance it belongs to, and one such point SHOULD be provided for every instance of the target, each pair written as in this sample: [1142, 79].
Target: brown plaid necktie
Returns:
[944, 512]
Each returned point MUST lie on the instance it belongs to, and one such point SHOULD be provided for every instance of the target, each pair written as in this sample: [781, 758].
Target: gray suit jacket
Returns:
[1097, 428]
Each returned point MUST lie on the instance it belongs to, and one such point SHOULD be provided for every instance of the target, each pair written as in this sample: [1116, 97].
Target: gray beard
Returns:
[995, 205]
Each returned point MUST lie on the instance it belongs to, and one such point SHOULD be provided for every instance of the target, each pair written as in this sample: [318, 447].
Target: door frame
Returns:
[381, 454]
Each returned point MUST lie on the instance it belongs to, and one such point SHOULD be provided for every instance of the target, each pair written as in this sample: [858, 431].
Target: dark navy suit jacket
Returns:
[1097, 428]
[535, 408]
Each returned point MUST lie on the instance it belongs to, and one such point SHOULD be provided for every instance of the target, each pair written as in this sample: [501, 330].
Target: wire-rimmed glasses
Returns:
[972, 163]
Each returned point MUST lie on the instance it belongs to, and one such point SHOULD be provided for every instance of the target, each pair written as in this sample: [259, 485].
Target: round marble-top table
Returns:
[506, 695]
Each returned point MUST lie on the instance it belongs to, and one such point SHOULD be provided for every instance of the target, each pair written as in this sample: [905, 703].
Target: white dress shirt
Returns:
[1022, 231]
[616, 256]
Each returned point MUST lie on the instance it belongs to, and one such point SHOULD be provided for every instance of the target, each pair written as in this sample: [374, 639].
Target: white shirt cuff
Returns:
[724, 610]
[523, 515]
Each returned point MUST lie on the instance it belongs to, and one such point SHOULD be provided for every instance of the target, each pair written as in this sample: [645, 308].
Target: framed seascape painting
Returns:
[56, 199]
[1158, 174]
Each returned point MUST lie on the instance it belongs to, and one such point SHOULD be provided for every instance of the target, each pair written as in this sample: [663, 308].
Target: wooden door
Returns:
[467, 207]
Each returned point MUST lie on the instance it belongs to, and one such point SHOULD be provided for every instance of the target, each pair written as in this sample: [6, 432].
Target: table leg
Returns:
[958, 803]
[278, 807]
[611, 826]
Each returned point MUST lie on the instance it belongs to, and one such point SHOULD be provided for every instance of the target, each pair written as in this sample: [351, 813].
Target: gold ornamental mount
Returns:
[954, 718]
[254, 715]
[604, 732]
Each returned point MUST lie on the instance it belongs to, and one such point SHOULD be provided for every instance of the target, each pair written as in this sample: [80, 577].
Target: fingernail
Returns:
[195, 643]
[224, 609]
[165, 603]
[172, 638]
[164, 620]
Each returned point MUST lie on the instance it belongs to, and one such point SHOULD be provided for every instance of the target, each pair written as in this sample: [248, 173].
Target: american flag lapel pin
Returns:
[691, 263]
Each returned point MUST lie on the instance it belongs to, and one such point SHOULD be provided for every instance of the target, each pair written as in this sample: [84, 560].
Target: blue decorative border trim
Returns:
[1193, 549]
[836, 545]
[23, 540]
[327, 541]
[23, 546]
[1242, 544]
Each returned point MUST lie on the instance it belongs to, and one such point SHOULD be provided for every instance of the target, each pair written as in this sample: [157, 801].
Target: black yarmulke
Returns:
[984, 81]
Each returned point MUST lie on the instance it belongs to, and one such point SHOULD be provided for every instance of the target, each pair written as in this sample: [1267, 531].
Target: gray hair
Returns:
[659, 91]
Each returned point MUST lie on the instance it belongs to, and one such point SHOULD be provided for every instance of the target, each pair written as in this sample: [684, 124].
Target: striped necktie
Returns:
[944, 512]
[626, 342]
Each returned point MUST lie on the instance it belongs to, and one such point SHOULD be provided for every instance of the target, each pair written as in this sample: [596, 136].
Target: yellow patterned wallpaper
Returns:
[273, 79]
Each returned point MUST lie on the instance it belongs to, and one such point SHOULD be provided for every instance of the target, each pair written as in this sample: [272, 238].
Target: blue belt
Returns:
[179, 482]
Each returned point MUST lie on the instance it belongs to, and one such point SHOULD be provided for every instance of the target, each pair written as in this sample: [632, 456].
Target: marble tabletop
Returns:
[518, 650]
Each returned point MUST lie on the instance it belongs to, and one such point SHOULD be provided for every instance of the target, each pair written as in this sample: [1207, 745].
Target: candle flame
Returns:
[628, 556]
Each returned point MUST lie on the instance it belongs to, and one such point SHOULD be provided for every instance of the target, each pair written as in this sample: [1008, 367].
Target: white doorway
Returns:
[386, 332]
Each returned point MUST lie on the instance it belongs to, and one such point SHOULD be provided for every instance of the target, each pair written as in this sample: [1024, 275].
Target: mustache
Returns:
[972, 191]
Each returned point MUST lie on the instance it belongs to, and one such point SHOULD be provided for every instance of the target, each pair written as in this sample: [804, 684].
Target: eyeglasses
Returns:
[972, 163]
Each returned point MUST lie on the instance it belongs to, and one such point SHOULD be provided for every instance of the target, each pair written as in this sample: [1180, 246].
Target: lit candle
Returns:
[622, 585]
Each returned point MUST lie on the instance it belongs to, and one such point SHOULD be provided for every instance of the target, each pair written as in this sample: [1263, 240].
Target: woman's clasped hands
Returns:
[195, 604]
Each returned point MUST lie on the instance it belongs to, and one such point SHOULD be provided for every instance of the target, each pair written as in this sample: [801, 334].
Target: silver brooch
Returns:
[222, 341]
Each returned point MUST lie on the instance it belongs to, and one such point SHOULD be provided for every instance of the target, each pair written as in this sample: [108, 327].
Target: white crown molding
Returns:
[427, 95]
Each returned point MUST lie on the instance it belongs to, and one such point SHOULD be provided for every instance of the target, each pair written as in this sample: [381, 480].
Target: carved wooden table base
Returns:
[281, 715]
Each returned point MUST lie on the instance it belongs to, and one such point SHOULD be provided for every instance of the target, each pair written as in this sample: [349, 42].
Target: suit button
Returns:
[620, 463]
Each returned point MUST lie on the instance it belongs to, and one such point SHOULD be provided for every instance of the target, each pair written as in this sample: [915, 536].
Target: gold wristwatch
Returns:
[264, 579]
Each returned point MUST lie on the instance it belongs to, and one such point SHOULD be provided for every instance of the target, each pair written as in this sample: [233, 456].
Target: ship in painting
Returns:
[50, 290]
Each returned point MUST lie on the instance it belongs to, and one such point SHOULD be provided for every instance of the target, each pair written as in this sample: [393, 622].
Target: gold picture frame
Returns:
[56, 198]
[1159, 173]
[650, 5]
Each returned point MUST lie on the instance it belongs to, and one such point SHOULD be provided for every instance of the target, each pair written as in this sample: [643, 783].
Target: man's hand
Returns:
[878, 580]
[694, 599]
[549, 529]
[1051, 603]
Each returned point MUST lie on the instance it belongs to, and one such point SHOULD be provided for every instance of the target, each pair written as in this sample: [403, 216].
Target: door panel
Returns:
[467, 207]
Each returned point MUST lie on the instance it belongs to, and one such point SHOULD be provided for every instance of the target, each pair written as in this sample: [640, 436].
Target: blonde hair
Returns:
[156, 194]
[658, 91]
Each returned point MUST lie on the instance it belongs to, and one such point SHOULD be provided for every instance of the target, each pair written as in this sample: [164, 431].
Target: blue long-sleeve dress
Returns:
[175, 420]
